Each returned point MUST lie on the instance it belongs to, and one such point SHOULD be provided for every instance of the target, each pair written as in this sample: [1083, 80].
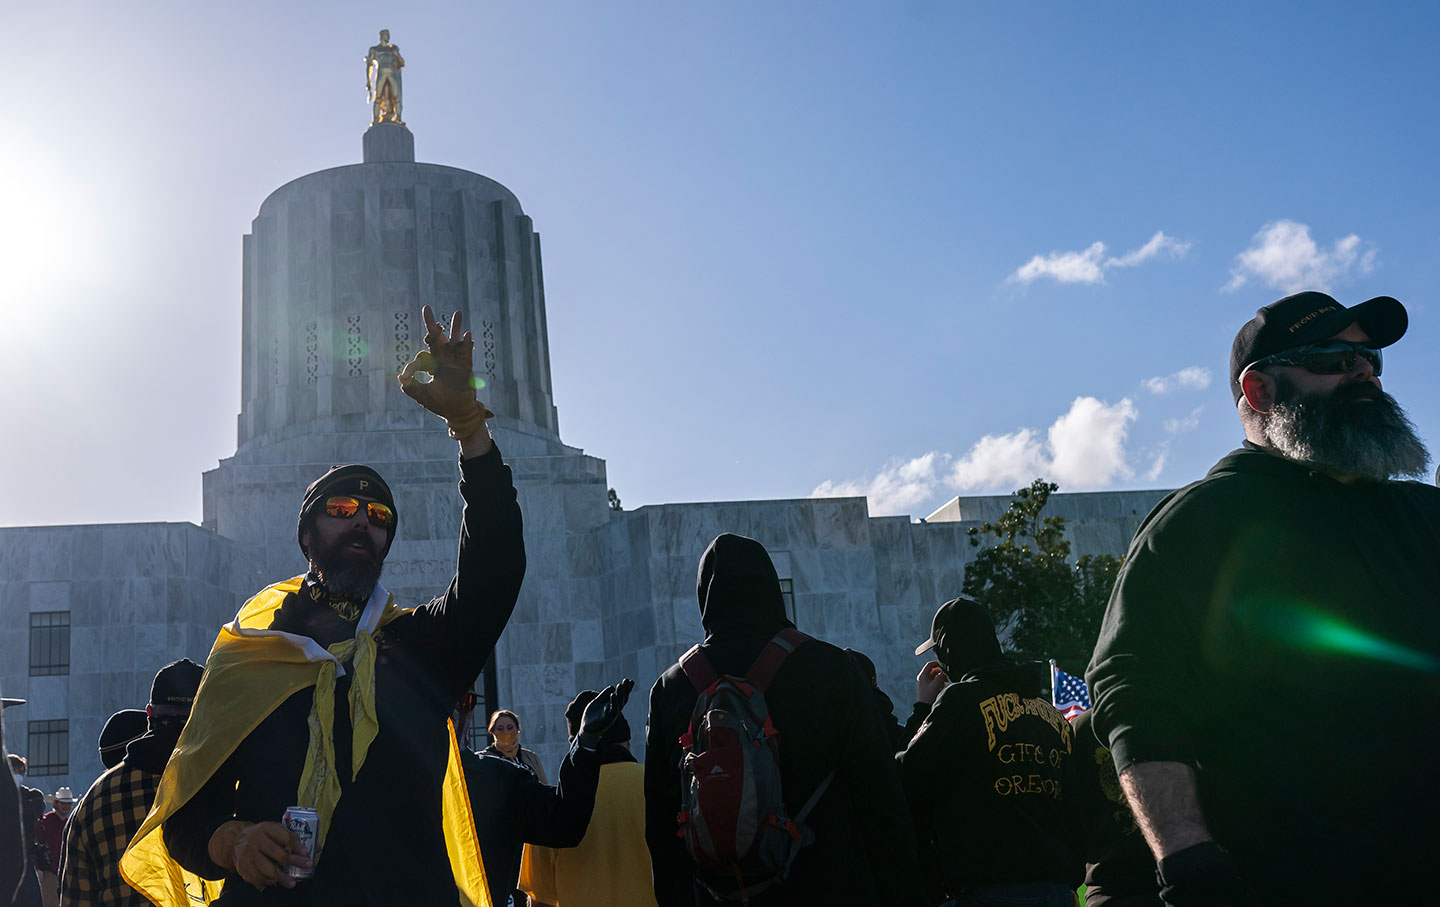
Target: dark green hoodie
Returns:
[1280, 631]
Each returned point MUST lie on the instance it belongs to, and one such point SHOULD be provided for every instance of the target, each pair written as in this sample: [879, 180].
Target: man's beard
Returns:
[345, 574]
[1355, 430]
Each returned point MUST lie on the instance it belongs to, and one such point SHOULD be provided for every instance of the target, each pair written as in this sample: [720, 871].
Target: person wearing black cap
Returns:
[513, 808]
[1296, 584]
[827, 724]
[610, 865]
[117, 803]
[322, 693]
[991, 774]
[120, 729]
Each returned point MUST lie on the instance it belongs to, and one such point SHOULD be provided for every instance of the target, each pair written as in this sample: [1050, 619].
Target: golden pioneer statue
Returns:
[382, 80]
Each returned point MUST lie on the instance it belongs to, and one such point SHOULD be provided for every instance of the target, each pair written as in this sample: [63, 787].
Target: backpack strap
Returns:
[698, 669]
[773, 656]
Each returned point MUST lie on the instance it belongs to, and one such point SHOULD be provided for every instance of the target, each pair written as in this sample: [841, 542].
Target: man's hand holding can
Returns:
[261, 853]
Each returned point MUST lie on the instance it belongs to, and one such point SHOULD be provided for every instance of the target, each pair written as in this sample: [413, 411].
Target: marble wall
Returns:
[608, 594]
[139, 596]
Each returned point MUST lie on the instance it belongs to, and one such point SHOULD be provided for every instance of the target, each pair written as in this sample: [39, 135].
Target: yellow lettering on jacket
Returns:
[999, 711]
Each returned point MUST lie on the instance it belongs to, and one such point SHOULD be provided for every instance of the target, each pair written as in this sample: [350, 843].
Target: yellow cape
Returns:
[252, 670]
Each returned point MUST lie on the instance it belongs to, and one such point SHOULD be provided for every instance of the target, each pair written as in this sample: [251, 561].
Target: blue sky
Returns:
[790, 247]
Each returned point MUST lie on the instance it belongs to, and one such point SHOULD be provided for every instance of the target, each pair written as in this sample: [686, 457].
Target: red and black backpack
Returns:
[732, 810]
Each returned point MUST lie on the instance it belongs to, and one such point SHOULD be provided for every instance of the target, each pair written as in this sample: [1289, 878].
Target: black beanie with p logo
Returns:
[354, 479]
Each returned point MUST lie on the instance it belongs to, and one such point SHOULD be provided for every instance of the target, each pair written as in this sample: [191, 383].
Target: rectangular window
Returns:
[787, 592]
[49, 749]
[49, 643]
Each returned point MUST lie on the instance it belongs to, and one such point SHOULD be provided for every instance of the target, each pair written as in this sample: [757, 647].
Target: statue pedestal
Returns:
[389, 143]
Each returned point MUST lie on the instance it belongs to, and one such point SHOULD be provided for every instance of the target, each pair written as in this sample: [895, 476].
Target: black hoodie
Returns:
[864, 849]
[1280, 631]
[992, 777]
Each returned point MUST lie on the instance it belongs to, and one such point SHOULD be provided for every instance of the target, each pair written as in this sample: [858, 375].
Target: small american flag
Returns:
[1068, 693]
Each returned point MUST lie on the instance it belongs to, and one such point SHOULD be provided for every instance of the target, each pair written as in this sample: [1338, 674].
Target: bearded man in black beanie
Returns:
[323, 694]
[989, 774]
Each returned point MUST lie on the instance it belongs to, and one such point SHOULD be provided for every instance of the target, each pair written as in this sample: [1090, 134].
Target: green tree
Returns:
[1024, 576]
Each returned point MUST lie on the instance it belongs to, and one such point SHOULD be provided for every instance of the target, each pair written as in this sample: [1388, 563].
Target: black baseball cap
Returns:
[174, 688]
[962, 635]
[1311, 317]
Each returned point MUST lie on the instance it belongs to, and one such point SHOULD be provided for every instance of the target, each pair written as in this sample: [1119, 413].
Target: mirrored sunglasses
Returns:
[346, 507]
[1336, 358]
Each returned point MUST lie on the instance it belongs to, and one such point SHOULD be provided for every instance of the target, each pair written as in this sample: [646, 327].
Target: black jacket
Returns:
[1280, 631]
[990, 776]
[512, 808]
[899, 734]
[385, 845]
[14, 856]
[864, 849]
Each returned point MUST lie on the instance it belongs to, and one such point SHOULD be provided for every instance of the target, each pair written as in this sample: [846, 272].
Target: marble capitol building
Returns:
[336, 266]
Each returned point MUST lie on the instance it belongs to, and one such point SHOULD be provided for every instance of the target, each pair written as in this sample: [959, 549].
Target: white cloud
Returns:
[1192, 378]
[1180, 426]
[1158, 243]
[1083, 449]
[894, 490]
[1284, 257]
[1087, 444]
[1162, 453]
[1090, 265]
[996, 461]
[1065, 267]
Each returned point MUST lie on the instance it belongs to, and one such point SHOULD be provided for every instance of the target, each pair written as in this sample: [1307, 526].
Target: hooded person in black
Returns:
[990, 774]
[828, 720]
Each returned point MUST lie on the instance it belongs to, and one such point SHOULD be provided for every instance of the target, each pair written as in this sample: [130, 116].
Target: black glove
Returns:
[1202, 875]
[602, 712]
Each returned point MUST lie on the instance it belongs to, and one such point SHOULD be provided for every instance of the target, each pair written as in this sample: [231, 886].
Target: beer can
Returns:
[305, 822]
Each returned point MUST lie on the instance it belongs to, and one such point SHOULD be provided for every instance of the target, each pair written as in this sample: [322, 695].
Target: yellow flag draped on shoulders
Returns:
[251, 671]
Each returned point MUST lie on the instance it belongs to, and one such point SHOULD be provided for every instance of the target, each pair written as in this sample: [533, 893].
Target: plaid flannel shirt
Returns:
[99, 831]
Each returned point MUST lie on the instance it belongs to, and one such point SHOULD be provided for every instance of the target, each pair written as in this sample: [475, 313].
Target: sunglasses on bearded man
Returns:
[1335, 358]
[346, 507]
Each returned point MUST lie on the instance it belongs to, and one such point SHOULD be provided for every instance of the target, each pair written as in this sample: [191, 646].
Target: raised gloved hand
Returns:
[1202, 875]
[451, 392]
[602, 712]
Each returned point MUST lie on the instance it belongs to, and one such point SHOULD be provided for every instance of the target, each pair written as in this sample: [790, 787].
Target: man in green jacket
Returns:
[1266, 670]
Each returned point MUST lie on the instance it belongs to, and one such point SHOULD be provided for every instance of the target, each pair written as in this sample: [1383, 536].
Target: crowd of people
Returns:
[316, 757]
